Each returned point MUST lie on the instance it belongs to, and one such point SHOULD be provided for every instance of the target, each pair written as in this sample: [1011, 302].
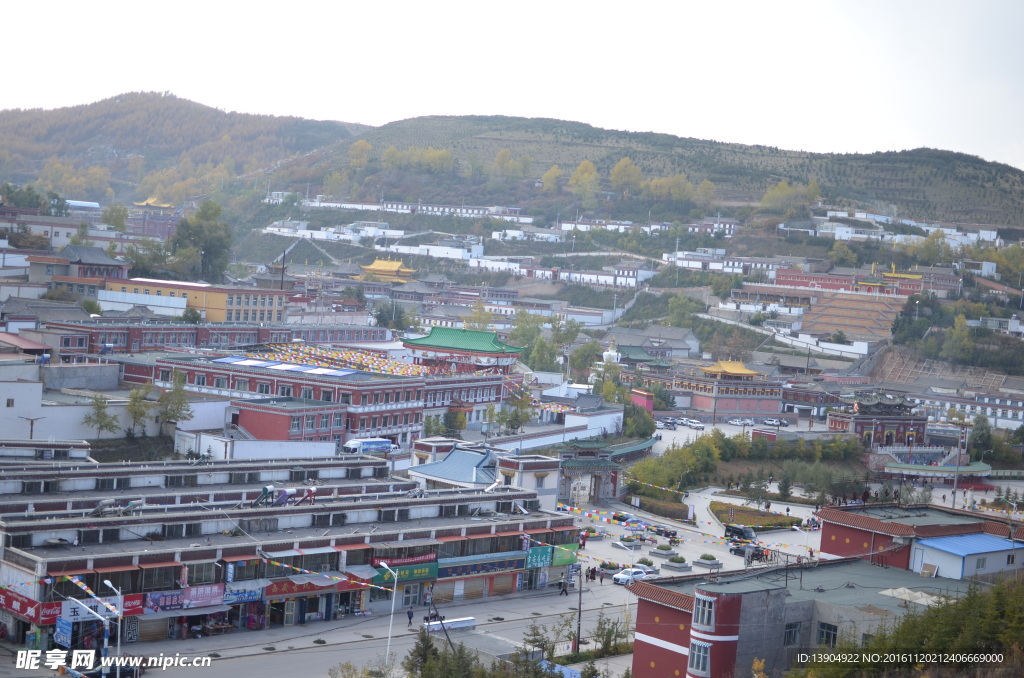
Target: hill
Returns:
[138, 144]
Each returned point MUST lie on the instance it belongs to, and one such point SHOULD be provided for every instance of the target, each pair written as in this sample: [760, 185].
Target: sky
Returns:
[844, 77]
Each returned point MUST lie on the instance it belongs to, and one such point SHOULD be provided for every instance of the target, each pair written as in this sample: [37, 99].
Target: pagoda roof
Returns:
[730, 367]
[450, 338]
[152, 202]
[388, 266]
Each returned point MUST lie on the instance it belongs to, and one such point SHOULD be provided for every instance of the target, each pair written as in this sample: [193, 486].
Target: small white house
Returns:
[965, 556]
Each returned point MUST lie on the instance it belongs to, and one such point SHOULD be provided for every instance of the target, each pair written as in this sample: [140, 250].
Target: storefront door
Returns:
[411, 594]
[289, 612]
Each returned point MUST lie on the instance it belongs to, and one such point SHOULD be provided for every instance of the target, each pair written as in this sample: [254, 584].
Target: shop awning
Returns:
[317, 549]
[479, 536]
[454, 537]
[507, 534]
[364, 572]
[321, 580]
[283, 554]
[190, 612]
[566, 528]
[70, 573]
[406, 543]
[114, 568]
[235, 559]
[352, 547]
[166, 563]
[247, 585]
[537, 530]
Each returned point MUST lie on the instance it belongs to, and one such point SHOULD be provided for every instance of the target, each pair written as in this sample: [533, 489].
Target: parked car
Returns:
[662, 531]
[772, 422]
[630, 518]
[783, 422]
[737, 422]
[756, 552]
[696, 425]
[749, 422]
[630, 575]
[659, 424]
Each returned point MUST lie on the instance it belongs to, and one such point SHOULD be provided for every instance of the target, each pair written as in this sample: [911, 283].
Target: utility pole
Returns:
[579, 608]
[31, 425]
[677, 261]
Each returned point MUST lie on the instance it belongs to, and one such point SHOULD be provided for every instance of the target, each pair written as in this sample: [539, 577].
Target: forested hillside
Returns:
[140, 144]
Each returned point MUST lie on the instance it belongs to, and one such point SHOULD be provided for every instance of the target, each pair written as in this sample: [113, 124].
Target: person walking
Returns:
[410, 613]
[601, 575]
[563, 587]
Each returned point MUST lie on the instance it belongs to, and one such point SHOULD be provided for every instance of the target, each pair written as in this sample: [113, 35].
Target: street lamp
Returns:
[394, 596]
[120, 616]
[982, 460]
[106, 633]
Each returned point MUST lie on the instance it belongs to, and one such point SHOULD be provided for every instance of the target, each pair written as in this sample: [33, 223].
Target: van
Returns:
[740, 532]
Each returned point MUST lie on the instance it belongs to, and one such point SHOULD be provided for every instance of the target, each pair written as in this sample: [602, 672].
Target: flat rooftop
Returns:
[849, 583]
[913, 515]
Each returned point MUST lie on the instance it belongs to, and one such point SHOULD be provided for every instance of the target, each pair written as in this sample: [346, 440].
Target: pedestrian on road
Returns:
[787, 511]
[563, 586]
[602, 576]
[410, 613]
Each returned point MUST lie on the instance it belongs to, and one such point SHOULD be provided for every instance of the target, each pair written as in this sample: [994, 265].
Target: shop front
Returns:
[191, 612]
[415, 581]
[563, 555]
[76, 628]
[25, 622]
[538, 560]
[243, 592]
[470, 577]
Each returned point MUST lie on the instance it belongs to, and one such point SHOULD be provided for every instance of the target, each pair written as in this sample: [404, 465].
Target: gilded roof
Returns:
[732, 367]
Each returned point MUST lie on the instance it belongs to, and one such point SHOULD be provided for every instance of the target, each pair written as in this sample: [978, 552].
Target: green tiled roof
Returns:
[462, 340]
[634, 353]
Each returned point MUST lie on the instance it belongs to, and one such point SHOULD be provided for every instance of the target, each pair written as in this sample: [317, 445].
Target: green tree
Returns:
[116, 215]
[980, 438]
[207, 235]
[637, 422]
[91, 306]
[173, 404]
[390, 314]
[704, 195]
[138, 408]
[99, 418]
[454, 422]
[420, 654]
[81, 236]
[191, 315]
[564, 332]
[958, 346]
[480, 319]
[583, 358]
[785, 487]
[552, 179]
[842, 255]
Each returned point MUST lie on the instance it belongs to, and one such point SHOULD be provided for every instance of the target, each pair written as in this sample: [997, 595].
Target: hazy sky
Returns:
[859, 76]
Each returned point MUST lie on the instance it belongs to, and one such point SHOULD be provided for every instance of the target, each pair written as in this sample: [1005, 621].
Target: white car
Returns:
[696, 425]
[749, 422]
[659, 424]
[631, 574]
[737, 422]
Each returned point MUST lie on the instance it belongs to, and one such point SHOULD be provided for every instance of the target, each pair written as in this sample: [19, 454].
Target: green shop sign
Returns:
[539, 556]
[406, 573]
[564, 555]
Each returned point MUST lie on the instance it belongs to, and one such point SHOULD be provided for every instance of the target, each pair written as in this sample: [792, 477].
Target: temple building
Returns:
[728, 389]
[879, 419]
[462, 350]
[385, 270]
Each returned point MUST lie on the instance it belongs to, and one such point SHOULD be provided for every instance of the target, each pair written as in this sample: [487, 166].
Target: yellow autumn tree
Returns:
[626, 177]
[359, 153]
[552, 178]
[585, 184]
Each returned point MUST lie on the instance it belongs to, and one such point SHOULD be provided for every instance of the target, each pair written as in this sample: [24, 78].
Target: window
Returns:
[245, 569]
[339, 420]
[263, 387]
[700, 657]
[980, 565]
[165, 375]
[10, 402]
[325, 421]
[241, 384]
[160, 578]
[307, 393]
[540, 480]
[200, 380]
[284, 390]
[220, 382]
[310, 421]
[296, 424]
[828, 634]
[326, 396]
[1011, 558]
[792, 634]
[201, 573]
[704, 612]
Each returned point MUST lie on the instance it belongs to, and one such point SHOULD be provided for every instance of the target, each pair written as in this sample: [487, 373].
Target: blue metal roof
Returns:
[970, 544]
[465, 466]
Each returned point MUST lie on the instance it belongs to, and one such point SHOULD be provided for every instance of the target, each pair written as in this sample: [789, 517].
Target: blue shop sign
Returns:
[234, 596]
[62, 635]
[489, 567]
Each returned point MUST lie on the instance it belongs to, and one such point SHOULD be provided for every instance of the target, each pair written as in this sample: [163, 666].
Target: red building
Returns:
[880, 419]
[727, 389]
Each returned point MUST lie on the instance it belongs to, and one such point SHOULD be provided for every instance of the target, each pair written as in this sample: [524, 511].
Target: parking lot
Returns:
[684, 435]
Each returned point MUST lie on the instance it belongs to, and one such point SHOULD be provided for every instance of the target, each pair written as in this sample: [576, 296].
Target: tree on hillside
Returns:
[390, 314]
[958, 346]
[552, 179]
[626, 177]
[99, 418]
[842, 255]
[359, 154]
[585, 184]
[481, 318]
[704, 194]
[206, 234]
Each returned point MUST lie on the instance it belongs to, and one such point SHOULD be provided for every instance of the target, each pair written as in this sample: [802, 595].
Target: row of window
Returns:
[261, 300]
[262, 316]
[469, 394]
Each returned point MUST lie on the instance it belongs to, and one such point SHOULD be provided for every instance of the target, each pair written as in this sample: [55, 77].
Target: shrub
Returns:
[627, 540]
[610, 566]
[664, 547]
[645, 561]
[677, 559]
[707, 556]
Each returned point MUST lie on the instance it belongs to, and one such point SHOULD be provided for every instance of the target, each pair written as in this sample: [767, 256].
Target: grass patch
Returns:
[270, 648]
[745, 515]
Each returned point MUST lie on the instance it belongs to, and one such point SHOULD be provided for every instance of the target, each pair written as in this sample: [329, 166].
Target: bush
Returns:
[664, 547]
[677, 559]
[665, 509]
[627, 540]
[605, 565]
[645, 561]
[707, 556]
